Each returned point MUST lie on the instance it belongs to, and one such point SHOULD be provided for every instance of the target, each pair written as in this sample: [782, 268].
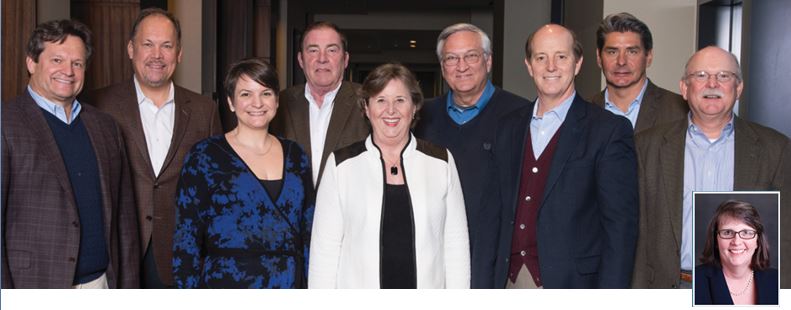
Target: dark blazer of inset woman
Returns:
[711, 289]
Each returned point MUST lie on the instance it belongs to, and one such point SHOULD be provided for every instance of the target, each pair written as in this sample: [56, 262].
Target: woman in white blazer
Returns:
[390, 210]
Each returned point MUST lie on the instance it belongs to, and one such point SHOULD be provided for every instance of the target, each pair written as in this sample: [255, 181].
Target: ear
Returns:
[130, 49]
[598, 58]
[529, 67]
[739, 89]
[230, 104]
[578, 66]
[345, 60]
[489, 64]
[178, 59]
[683, 86]
[299, 59]
[649, 58]
[31, 65]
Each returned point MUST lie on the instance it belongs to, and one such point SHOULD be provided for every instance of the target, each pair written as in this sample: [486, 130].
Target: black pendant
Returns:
[394, 170]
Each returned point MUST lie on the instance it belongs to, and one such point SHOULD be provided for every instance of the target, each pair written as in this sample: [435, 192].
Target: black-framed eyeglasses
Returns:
[730, 234]
[721, 77]
[470, 58]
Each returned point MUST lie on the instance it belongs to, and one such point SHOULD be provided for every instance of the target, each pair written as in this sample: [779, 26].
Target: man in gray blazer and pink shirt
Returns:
[68, 215]
[161, 121]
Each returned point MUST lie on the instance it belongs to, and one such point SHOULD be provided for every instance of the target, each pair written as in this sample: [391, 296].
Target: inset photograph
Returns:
[736, 248]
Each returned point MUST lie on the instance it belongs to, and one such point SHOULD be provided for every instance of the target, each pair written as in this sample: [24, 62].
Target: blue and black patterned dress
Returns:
[229, 232]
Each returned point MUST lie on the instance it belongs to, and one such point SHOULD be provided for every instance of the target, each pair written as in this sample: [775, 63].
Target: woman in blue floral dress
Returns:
[245, 199]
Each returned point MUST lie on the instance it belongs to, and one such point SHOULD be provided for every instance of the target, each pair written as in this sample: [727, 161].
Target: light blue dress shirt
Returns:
[463, 115]
[634, 108]
[708, 166]
[542, 129]
[54, 108]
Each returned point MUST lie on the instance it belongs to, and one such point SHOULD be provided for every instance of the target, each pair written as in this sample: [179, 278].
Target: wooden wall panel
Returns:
[19, 19]
[111, 21]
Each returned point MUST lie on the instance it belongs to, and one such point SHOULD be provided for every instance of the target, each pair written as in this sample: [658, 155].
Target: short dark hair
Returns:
[255, 69]
[747, 213]
[56, 31]
[377, 80]
[155, 11]
[324, 24]
[576, 46]
[624, 22]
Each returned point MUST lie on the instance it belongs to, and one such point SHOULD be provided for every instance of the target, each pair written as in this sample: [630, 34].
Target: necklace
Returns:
[393, 167]
[746, 287]
[268, 146]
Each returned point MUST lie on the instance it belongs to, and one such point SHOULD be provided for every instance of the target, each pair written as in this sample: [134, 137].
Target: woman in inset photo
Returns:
[735, 265]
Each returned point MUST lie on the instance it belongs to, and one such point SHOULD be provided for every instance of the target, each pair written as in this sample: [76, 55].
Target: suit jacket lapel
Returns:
[647, 115]
[181, 116]
[127, 103]
[300, 117]
[344, 102]
[98, 138]
[570, 137]
[746, 156]
[671, 160]
[41, 130]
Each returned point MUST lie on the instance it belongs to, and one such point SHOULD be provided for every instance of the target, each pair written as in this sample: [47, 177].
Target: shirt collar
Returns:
[487, 93]
[635, 103]
[54, 108]
[330, 95]
[559, 111]
[698, 135]
[141, 97]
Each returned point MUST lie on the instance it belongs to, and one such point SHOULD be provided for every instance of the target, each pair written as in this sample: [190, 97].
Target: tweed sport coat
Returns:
[40, 221]
[347, 123]
[762, 162]
[196, 118]
[659, 106]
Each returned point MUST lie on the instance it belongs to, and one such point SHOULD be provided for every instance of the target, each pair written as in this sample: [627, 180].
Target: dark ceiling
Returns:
[365, 6]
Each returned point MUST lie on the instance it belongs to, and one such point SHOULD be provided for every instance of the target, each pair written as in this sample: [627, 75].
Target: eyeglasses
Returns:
[721, 77]
[470, 58]
[730, 234]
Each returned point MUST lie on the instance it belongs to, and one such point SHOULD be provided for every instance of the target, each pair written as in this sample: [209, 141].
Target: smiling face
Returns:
[552, 63]
[60, 71]
[154, 51]
[466, 79]
[391, 112]
[323, 59]
[254, 104]
[736, 252]
[623, 59]
[711, 99]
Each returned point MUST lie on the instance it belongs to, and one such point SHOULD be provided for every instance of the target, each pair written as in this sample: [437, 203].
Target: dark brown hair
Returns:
[255, 69]
[747, 213]
[323, 24]
[377, 80]
[56, 31]
[156, 11]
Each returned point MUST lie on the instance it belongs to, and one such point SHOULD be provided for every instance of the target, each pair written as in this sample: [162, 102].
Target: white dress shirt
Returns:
[157, 126]
[319, 122]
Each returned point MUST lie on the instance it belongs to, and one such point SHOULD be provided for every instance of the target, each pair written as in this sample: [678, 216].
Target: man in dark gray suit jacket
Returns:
[160, 121]
[624, 52]
[568, 177]
[324, 114]
[68, 215]
[711, 150]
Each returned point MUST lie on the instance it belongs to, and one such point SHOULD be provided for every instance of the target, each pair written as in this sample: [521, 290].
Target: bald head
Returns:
[713, 54]
[554, 30]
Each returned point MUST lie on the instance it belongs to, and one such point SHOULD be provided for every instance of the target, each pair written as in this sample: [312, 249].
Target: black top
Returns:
[397, 240]
[272, 188]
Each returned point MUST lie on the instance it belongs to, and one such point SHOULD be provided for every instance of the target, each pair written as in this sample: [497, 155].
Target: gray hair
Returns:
[486, 43]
